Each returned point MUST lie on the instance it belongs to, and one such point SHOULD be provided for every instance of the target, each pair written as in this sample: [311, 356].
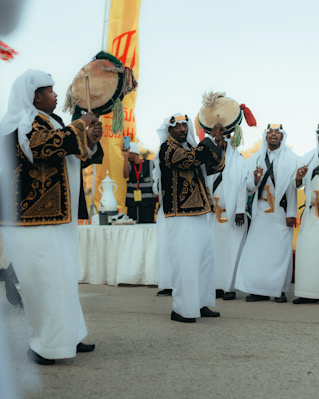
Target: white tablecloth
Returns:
[118, 254]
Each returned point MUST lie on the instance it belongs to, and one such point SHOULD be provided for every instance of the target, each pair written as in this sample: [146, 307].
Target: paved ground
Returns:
[254, 350]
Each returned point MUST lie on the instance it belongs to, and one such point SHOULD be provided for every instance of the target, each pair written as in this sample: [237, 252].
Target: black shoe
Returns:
[282, 299]
[219, 293]
[166, 292]
[301, 300]
[206, 312]
[256, 298]
[177, 317]
[81, 347]
[39, 359]
[228, 296]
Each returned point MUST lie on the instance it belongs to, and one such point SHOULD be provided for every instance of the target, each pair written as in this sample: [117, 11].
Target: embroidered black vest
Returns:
[184, 190]
[40, 193]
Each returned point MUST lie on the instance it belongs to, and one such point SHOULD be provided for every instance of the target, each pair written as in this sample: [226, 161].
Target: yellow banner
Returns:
[123, 44]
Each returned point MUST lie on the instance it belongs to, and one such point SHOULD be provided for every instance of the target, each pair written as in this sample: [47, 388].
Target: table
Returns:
[118, 254]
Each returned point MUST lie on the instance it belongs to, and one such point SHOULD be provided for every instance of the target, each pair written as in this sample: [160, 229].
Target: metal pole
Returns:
[92, 209]
[105, 25]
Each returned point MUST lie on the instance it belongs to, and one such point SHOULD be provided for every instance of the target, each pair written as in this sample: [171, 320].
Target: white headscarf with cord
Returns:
[21, 111]
[164, 134]
[311, 161]
[285, 161]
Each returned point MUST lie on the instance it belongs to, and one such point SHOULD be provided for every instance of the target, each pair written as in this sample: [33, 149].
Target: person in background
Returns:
[228, 221]
[140, 199]
[307, 249]
[265, 266]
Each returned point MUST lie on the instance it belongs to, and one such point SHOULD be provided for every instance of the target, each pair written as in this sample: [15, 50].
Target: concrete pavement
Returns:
[254, 350]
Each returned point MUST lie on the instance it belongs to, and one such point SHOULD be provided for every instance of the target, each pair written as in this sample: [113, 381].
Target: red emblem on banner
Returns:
[122, 49]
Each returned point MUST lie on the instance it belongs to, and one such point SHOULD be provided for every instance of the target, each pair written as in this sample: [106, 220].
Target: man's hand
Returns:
[258, 172]
[88, 118]
[301, 173]
[218, 134]
[125, 153]
[239, 219]
[291, 222]
[94, 133]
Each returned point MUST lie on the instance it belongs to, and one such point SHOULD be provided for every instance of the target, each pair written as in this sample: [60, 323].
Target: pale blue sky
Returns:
[263, 54]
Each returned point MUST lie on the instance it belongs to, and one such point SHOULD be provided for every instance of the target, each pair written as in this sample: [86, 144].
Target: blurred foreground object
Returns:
[10, 11]
[6, 52]
[10, 279]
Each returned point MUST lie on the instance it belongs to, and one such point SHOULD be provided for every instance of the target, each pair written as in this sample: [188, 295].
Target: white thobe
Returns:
[45, 259]
[162, 255]
[307, 249]
[265, 266]
[226, 256]
[192, 262]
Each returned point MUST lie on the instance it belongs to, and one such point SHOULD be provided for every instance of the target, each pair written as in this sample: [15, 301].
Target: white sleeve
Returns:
[92, 151]
[242, 198]
[291, 194]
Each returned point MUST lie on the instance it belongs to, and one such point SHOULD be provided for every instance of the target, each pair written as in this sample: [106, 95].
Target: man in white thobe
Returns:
[265, 266]
[43, 240]
[186, 201]
[307, 249]
[228, 222]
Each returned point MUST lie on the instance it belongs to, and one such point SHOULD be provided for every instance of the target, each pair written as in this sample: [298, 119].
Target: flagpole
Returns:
[105, 25]
[105, 31]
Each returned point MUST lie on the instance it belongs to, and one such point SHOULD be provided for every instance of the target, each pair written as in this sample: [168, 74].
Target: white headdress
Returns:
[134, 148]
[21, 111]
[163, 132]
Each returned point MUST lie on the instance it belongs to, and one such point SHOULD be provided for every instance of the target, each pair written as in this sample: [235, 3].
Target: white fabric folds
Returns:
[232, 194]
[265, 266]
[307, 249]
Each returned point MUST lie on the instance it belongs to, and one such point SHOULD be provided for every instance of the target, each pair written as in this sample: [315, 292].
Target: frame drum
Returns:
[224, 110]
[105, 86]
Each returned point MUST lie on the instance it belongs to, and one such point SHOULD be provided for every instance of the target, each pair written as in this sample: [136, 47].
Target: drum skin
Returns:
[105, 86]
[225, 110]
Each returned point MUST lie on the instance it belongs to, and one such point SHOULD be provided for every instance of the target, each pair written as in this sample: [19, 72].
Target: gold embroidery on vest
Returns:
[78, 127]
[167, 156]
[195, 200]
[41, 175]
[188, 176]
[15, 192]
[48, 205]
[66, 188]
[179, 154]
[40, 135]
[174, 190]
